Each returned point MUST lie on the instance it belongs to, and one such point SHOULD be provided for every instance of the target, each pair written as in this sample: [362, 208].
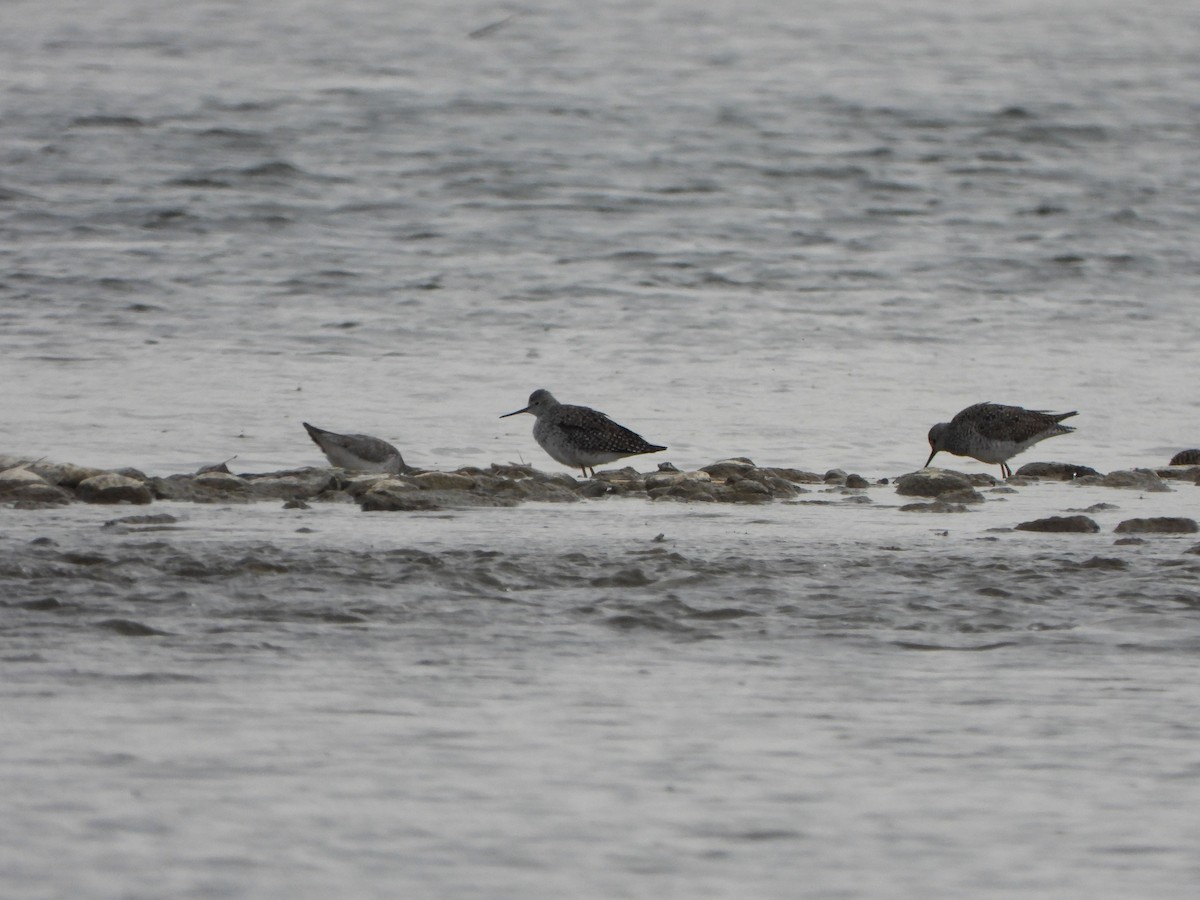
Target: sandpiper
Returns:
[579, 436]
[357, 452]
[993, 433]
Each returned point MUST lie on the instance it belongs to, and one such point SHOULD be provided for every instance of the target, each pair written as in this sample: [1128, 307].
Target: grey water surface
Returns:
[801, 233]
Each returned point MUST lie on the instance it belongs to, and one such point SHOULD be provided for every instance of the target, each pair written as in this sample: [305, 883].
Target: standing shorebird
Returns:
[357, 452]
[578, 436]
[993, 433]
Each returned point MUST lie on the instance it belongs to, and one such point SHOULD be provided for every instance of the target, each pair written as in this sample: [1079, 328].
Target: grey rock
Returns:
[723, 468]
[389, 496]
[444, 481]
[937, 506]
[1056, 471]
[1062, 524]
[113, 488]
[1179, 473]
[1186, 458]
[66, 475]
[298, 484]
[1138, 479]
[1159, 525]
[30, 490]
[931, 483]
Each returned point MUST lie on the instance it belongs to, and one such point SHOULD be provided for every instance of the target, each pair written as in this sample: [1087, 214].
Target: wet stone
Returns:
[1055, 471]
[965, 495]
[856, 481]
[65, 474]
[113, 488]
[144, 521]
[1186, 458]
[1061, 524]
[931, 483]
[444, 481]
[1137, 479]
[722, 469]
[1159, 525]
[1179, 473]
[300, 484]
[937, 506]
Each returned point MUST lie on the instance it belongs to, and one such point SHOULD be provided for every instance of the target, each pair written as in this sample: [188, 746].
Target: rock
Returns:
[26, 487]
[1056, 471]
[1159, 525]
[113, 488]
[931, 483]
[395, 496]
[937, 506]
[1138, 479]
[135, 524]
[796, 476]
[1179, 473]
[661, 479]
[211, 487]
[1065, 524]
[1186, 458]
[857, 482]
[358, 483]
[834, 476]
[964, 495]
[65, 474]
[722, 469]
[444, 481]
[298, 484]
[749, 488]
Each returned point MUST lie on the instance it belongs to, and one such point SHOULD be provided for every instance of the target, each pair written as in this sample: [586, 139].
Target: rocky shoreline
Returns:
[36, 484]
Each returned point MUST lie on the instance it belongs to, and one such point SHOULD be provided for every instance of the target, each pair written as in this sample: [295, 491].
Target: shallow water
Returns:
[802, 237]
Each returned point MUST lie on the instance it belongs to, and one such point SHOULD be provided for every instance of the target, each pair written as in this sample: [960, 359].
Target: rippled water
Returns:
[799, 235]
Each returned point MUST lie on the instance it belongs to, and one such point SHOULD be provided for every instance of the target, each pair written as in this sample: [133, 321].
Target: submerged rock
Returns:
[937, 506]
[394, 495]
[113, 488]
[1056, 471]
[1064, 524]
[931, 483]
[1159, 525]
[1138, 479]
[1179, 473]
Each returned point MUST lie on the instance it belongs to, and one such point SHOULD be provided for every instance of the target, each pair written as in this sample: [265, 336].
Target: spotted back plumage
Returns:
[993, 432]
[579, 436]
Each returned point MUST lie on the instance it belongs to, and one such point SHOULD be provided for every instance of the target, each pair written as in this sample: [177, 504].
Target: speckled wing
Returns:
[591, 430]
[997, 422]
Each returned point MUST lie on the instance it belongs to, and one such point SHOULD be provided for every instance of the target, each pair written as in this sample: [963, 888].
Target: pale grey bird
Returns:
[357, 452]
[578, 436]
[993, 433]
